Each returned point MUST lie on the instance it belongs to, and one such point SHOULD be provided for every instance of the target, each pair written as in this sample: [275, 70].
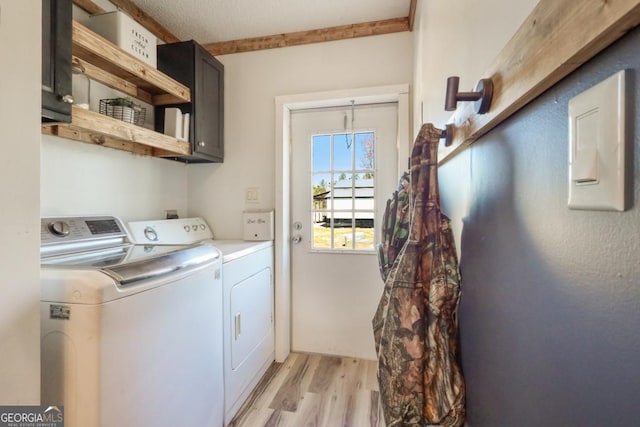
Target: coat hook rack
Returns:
[482, 95]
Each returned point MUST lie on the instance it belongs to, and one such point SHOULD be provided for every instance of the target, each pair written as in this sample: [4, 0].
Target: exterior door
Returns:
[343, 169]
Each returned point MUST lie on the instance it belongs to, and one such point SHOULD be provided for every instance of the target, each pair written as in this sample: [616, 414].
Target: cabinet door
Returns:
[56, 61]
[209, 107]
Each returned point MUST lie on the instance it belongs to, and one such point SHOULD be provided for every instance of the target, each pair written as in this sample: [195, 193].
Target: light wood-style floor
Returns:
[309, 390]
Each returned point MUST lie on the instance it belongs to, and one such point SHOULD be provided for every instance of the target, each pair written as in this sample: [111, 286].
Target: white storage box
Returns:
[127, 34]
[173, 122]
[258, 225]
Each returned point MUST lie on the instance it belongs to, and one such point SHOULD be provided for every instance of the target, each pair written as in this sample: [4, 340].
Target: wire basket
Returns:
[123, 109]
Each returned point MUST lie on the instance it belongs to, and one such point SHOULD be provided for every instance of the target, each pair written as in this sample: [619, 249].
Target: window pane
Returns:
[321, 183]
[321, 232]
[343, 204]
[365, 234]
[321, 153]
[363, 204]
[365, 154]
[342, 148]
[361, 237]
[343, 194]
[342, 179]
[364, 219]
[343, 233]
[342, 218]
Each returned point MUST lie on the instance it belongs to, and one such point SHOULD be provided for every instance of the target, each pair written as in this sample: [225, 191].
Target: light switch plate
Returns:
[251, 195]
[597, 146]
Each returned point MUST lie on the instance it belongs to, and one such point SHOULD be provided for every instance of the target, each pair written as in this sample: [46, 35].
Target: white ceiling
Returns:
[209, 21]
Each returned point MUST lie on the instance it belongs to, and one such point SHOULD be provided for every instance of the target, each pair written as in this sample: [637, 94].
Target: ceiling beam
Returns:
[342, 32]
[136, 13]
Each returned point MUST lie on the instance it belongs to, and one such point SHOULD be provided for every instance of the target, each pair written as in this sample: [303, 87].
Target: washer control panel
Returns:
[178, 231]
[79, 229]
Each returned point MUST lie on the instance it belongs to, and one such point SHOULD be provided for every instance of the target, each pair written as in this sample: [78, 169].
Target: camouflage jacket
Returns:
[415, 325]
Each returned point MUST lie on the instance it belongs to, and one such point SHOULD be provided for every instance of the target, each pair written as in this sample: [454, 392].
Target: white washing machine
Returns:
[130, 335]
[247, 276]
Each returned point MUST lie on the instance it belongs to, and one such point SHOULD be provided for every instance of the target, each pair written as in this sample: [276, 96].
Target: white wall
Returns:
[253, 80]
[20, 23]
[458, 38]
[85, 179]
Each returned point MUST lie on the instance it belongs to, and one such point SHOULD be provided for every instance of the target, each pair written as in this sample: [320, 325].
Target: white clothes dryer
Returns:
[247, 276]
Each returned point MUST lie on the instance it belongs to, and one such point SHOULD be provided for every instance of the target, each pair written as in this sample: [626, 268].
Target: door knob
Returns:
[67, 99]
[297, 225]
[296, 239]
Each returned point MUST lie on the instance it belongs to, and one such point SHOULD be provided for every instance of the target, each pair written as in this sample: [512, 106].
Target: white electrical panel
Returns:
[597, 146]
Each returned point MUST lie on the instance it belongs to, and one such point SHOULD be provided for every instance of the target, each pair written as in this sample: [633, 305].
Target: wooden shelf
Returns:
[108, 64]
[95, 128]
[105, 62]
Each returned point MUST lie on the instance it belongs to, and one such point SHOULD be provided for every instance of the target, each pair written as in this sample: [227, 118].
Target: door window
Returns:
[343, 191]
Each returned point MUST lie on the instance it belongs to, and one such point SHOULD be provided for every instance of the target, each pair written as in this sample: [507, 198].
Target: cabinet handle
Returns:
[67, 99]
[201, 144]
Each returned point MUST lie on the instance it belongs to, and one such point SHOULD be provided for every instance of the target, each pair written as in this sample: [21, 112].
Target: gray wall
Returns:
[550, 311]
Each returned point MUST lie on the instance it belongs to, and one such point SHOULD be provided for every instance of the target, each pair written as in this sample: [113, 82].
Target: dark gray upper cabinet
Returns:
[190, 64]
[56, 61]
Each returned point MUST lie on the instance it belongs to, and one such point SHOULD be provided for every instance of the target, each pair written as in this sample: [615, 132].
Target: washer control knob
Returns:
[202, 227]
[194, 227]
[59, 228]
[187, 228]
[150, 234]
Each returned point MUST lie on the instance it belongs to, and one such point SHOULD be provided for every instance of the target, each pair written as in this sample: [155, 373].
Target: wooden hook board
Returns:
[555, 39]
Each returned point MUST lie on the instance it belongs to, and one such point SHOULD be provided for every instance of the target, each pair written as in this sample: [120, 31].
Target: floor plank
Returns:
[251, 404]
[310, 410]
[323, 376]
[309, 390]
[290, 391]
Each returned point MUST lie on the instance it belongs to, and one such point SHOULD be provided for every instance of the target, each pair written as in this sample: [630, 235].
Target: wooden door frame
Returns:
[284, 106]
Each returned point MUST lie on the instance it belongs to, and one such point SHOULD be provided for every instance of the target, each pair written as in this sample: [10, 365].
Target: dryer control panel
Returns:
[178, 231]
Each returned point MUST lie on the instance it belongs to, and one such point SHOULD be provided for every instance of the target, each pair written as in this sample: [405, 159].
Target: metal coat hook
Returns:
[447, 134]
[482, 95]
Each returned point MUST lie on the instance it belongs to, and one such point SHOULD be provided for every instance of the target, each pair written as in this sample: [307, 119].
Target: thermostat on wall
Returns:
[258, 225]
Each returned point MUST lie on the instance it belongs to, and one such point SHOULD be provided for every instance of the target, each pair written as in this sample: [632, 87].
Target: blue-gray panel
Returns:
[550, 311]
